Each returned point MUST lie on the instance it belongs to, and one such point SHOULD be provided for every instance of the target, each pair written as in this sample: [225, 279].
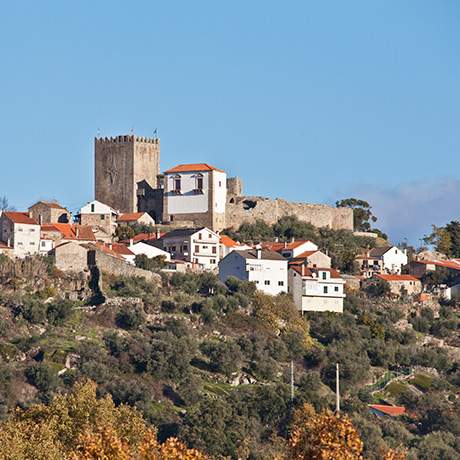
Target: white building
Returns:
[197, 245]
[267, 269]
[227, 245]
[388, 259]
[195, 193]
[316, 289]
[19, 231]
[101, 217]
[148, 250]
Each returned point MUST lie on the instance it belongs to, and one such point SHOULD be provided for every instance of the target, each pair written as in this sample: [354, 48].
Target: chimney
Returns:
[285, 244]
[276, 239]
[259, 251]
[77, 231]
[158, 233]
[131, 242]
[292, 240]
[31, 215]
[8, 242]
[110, 246]
[303, 269]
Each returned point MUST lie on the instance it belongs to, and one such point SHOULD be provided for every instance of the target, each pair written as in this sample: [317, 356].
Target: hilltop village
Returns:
[182, 218]
[226, 323]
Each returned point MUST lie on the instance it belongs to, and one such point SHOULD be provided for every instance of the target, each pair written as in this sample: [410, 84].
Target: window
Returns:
[173, 248]
[324, 289]
[213, 261]
[43, 244]
[185, 247]
[197, 248]
[20, 229]
[92, 207]
[267, 282]
[32, 229]
[336, 288]
[177, 184]
[31, 243]
[102, 216]
[199, 183]
[19, 243]
[396, 251]
[205, 246]
[280, 283]
[324, 275]
[214, 250]
[209, 235]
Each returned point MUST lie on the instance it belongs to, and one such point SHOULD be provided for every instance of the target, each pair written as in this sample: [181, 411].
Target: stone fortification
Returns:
[251, 208]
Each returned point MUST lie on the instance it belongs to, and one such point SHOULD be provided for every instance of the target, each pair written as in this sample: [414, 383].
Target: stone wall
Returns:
[250, 208]
[117, 267]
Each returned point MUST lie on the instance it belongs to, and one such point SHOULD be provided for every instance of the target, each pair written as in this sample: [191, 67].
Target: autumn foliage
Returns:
[323, 436]
[79, 426]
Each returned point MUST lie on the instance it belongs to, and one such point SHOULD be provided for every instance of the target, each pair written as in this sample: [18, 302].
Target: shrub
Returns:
[130, 317]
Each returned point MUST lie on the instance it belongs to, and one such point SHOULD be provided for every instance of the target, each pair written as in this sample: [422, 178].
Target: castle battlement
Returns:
[127, 139]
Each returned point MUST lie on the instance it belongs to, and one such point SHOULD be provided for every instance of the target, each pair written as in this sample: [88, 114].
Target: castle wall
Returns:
[249, 209]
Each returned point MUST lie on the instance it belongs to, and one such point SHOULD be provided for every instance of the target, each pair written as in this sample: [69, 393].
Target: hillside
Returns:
[210, 363]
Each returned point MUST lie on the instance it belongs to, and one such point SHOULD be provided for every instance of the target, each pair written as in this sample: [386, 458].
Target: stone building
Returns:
[49, 212]
[101, 217]
[195, 193]
[125, 166]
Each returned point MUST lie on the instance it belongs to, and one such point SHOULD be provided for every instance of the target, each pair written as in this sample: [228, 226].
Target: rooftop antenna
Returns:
[132, 130]
[337, 390]
[155, 133]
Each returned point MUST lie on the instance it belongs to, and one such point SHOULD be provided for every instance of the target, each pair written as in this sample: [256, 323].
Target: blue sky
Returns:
[309, 101]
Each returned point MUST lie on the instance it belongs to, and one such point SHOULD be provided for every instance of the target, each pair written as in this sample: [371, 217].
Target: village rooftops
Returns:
[193, 167]
[19, 217]
[71, 231]
[453, 264]
[227, 241]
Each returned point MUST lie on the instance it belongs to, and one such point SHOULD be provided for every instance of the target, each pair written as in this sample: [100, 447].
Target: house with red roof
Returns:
[51, 235]
[382, 410]
[291, 249]
[195, 193]
[19, 231]
[399, 284]
[130, 218]
[227, 245]
[316, 289]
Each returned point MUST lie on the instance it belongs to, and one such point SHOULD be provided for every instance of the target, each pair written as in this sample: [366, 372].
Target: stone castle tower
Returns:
[122, 165]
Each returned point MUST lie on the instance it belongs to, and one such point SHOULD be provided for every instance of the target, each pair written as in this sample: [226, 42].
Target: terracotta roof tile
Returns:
[309, 271]
[227, 241]
[192, 168]
[394, 411]
[70, 231]
[19, 217]
[278, 246]
[130, 217]
[397, 277]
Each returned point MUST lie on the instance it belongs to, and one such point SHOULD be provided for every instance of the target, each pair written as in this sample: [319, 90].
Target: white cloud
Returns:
[409, 209]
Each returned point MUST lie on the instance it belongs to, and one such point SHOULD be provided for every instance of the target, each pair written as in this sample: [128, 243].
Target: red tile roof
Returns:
[192, 168]
[397, 277]
[19, 217]
[144, 237]
[278, 246]
[130, 217]
[393, 411]
[227, 241]
[305, 255]
[117, 250]
[70, 231]
[453, 264]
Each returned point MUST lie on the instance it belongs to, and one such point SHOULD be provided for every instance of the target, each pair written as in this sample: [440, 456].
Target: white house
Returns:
[195, 193]
[99, 216]
[267, 269]
[316, 289]
[197, 245]
[148, 250]
[388, 259]
[19, 231]
[228, 245]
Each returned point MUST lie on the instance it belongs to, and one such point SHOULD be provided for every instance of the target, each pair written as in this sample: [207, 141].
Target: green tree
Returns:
[445, 239]
[362, 213]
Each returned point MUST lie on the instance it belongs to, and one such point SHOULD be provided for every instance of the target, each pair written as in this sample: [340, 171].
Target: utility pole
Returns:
[337, 389]
[292, 381]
